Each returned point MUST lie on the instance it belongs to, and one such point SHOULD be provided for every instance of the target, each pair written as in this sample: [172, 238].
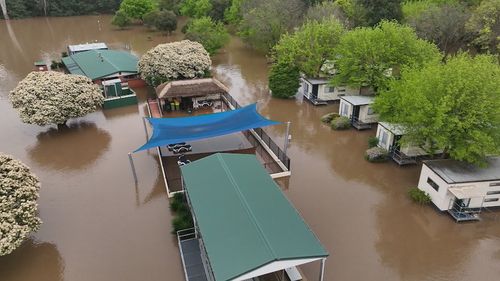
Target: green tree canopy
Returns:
[327, 10]
[136, 9]
[485, 23]
[453, 106]
[373, 11]
[233, 12]
[283, 80]
[371, 57]
[163, 20]
[120, 19]
[211, 34]
[311, 46]
[195, 8]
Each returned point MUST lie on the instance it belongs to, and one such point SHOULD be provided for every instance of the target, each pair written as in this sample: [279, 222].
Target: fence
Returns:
[263, 135]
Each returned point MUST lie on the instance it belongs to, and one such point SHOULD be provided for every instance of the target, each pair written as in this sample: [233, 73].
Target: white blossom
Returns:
[18, 207]
[50, 97]
[173, 61]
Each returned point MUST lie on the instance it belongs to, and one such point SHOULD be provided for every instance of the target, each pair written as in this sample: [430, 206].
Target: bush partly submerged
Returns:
[340, 123]
[182, 215]
[419, 196]
[327, 118]
[376, 154]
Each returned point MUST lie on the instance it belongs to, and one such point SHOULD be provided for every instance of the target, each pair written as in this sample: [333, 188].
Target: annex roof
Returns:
[97, 64]
[86, 47]
[453, 171]
[190, 88]
[317, 81]
[358, 100]
[182, 129]
[245, 221]
[396, 129]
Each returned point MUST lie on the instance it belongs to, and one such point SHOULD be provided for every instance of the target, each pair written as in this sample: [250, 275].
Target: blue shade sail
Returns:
[174, 130]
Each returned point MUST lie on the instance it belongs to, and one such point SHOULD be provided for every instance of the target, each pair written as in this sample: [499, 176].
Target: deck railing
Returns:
[263, 135]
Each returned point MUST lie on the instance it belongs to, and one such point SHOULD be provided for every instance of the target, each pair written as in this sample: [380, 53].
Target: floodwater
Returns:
[100, 226]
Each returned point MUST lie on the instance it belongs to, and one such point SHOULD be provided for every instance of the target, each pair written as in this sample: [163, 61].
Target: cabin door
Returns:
[355, 112]
[396, 146]
[314, 93]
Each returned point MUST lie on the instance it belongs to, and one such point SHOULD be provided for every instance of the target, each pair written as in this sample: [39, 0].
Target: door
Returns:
[314, 93]
[396, 146]
[355, 112]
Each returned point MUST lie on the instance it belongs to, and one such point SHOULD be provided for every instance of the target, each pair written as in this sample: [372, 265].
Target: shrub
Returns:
[327, 118]
[182, 215]
[419, 196]
[284, 80]
[161, 20]
[211, 34]
[376, 154]
[340, 123]
[372, 142]
[120, 19]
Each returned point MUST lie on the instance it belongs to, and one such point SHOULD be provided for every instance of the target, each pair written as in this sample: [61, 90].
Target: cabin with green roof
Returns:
[112, 69]
[245, 228]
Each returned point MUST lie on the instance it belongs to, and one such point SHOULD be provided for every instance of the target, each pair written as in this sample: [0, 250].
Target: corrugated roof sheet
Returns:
[453, 171]
[244, 219]
[190, 88]
[87, 46]
[96, 64]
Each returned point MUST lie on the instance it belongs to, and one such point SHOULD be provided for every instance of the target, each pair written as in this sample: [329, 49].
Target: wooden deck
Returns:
[154, 108]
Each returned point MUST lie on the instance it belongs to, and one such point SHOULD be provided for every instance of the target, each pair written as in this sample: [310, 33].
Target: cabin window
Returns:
[493, 192]
[306, 87]
[383, 137]
[495, 184]
[490, 199]
[433, 184]
[329, 89]
[341, 89]
[344, 109]
[371, 111]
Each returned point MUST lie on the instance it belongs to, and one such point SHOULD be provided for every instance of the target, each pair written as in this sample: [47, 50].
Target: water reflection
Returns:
[29, 260]
[120, 112]
[75, 147]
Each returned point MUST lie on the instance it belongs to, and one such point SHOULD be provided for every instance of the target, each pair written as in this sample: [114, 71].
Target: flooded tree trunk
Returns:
[62, 126]
[4, 9]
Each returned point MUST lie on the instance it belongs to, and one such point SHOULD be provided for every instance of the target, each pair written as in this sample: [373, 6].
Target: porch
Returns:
[358, 124]
[400, 158]
[460, 204]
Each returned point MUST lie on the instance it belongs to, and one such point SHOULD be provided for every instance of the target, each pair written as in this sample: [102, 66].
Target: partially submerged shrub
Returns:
[182, 215]
[376, 154]
[18, 207]
[340, 123]
[327, 118]
[419, 196]
[372, 142]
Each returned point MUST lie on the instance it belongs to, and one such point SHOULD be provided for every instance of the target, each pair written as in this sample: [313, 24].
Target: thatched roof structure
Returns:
[191, 88]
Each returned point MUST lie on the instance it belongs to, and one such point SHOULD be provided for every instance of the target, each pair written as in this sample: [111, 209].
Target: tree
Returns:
[444, 25]
[136, 9]
[50, 97]
[283, 80]
[218, 9]
[326, 10]
[373, 11]
[371, 57]
[264, 21]
[453, 106]
[161, 20]
[310, 46]
[212, 35]
[485, 24]
[169, 5]
[233, 13]
[174, 61]
[195, 8]
[120, 19]
[18, 207]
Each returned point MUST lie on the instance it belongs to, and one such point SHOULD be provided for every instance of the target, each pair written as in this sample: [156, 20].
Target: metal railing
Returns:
[461, 212]
[359, 124]
[400, 157]
[263, 135]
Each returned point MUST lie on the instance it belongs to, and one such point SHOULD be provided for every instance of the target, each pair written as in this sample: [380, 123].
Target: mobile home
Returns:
[359, 110]
[389, 137]
[461, 189]
[319, 91]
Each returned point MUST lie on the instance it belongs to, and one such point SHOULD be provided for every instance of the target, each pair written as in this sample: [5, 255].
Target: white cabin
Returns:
[74, 49]
[389, 136]
[461, 189]
[359, 110]
[319, 91]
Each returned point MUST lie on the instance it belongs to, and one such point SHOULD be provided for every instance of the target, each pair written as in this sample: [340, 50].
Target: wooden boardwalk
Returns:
[154, 108]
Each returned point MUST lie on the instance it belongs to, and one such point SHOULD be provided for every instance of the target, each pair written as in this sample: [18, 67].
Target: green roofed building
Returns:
[244, 226]
[111, 69]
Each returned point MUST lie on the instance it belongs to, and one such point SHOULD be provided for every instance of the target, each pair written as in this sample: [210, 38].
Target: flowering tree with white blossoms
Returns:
[174, 61]
[18, 207]
[49, 97]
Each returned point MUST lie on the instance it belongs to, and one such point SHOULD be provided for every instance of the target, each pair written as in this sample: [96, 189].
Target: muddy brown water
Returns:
[98, 225]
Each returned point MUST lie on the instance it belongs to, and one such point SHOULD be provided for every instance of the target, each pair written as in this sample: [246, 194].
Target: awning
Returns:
[174, 130]
[248, 227]
[464, 192]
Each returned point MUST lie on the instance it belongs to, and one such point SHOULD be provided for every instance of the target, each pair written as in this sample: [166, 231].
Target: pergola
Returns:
[244, 226]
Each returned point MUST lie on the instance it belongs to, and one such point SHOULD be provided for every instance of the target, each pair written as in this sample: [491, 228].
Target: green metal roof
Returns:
[244, 219]
[96, 64]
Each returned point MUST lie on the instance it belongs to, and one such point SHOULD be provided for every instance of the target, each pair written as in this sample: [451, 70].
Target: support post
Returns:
[145, 127]
[322, 272]
[287, 137]
[132, 166]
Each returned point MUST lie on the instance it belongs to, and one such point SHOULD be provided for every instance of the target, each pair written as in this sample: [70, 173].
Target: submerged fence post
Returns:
[132, 166]
[322, 270]
[287, 137]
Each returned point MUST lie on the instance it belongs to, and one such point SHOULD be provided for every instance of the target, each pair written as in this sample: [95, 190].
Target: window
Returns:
[371, 111]
[490, 199]
[495, 184]
[383, 137]
[493, 192]
[306, 88]
[329, 89]
[433, 184]
[341, 89]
